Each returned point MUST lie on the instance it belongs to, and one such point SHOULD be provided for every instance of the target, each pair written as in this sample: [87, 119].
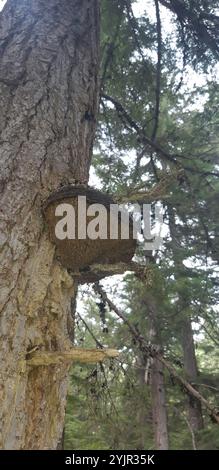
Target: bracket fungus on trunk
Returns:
[74, 208]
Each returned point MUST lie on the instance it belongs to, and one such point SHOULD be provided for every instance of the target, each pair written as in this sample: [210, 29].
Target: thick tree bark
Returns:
[48, 102]
[194, 410]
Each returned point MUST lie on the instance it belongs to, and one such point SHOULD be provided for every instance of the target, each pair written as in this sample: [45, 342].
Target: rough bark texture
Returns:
[48, 103]
[194, 409]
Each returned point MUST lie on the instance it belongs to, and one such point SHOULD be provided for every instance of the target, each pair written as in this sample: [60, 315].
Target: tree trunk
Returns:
[158, 394]
[142, 413]
[159, 406]
[194, 410]
[49, 95]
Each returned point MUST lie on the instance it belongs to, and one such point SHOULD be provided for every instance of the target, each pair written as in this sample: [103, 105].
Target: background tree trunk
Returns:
[158, 393]
[143, 414]
[49, 95]
[194, 410]
[159, 406]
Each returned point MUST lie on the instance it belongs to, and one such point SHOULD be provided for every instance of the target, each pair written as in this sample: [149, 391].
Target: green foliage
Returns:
[110, 406]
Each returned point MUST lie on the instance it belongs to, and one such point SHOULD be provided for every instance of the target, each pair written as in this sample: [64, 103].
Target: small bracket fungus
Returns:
[88, 228]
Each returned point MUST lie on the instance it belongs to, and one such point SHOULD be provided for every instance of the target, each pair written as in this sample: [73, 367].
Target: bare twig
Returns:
[156, 193]
[98, 344]
[194, 445]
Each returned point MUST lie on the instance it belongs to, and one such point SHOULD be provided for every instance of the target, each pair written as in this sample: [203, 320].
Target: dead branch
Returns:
[153, 352]
[78, 355]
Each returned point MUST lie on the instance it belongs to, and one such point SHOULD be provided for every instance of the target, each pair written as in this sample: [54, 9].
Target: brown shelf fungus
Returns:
[88, 228]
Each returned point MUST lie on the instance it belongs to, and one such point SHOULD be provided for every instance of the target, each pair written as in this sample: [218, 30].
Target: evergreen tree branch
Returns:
[158, 72]
[151, 350]
[127, 119]
[98, 344]
[202, 25]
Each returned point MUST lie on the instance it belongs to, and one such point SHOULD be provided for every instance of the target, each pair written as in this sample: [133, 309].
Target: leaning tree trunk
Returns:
[48, 92]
